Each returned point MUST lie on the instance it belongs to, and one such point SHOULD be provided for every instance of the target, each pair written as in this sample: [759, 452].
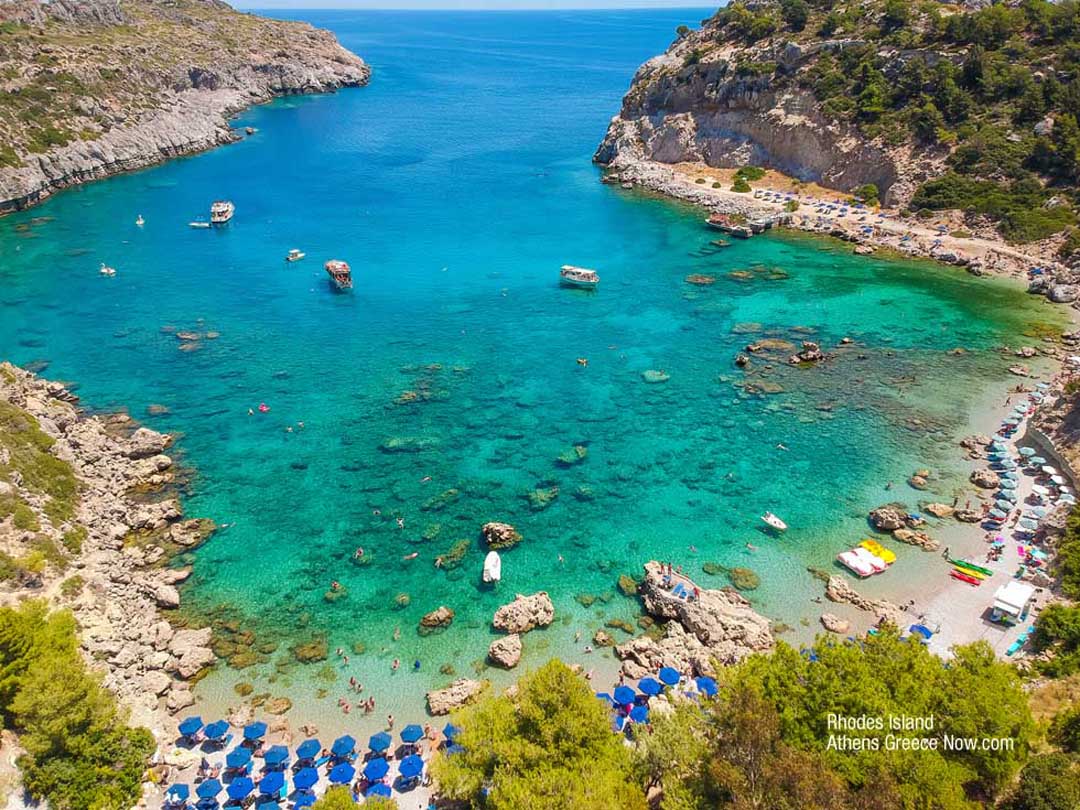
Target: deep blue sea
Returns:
[444, 388]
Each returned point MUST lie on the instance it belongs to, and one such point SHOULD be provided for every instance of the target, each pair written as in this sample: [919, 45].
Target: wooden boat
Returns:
[492, 567]
[221, 211]
[775, 522]
[294, 255]
[571, 276]
[878, 550]
[340, 274]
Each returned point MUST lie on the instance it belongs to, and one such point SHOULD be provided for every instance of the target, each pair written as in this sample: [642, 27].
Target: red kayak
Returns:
[960, 575]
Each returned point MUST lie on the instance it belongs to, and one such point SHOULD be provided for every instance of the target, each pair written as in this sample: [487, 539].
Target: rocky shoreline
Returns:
[177, 109]
[131, 526]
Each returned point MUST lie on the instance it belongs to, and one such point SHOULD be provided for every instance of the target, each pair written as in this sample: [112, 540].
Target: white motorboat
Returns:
[140, 221]
[221, 211]
[106, 270]
[578, 277]
[492, 567]
[198, 223]
[294, 255]
[775, 522]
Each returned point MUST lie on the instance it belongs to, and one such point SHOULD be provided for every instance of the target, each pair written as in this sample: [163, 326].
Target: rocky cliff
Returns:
[942, 106]
[92, 88]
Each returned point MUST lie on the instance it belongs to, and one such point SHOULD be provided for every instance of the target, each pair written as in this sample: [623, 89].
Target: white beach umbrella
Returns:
[1039, 489]
[1027, 452]
[1037, 460]
[1057, 479]
[1046, 468]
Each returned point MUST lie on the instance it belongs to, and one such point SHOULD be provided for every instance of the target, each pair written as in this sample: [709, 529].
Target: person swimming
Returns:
[412, 556]
[358, 553]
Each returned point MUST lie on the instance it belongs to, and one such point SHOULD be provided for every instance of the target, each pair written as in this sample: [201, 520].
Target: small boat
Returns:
[221, 211]
[106, 270]
[140, 221]
[875, 562]
[198, 223]
[721, 243]
[492, 567]
[978, 569]
[955, 574]
[854, 563]
[578, 277]
[775, 522]
[340, 274]
[294, 255]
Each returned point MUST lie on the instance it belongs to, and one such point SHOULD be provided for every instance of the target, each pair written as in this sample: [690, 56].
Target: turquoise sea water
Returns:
[445, 387]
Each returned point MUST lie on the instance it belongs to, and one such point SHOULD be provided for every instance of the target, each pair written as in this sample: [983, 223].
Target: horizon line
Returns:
[496, 6]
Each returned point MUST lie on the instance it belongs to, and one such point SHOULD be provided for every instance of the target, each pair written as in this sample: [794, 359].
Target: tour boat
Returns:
[140, 221]
[106, 270]
[492, 567]
[294, 255]
[340, 274]
[775, 522]
[578, 277]
[221, 212]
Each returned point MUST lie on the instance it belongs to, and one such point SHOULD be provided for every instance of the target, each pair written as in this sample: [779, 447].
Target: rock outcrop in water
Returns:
[173, 73]
[717, 626]
[525, 613]
[105, 547]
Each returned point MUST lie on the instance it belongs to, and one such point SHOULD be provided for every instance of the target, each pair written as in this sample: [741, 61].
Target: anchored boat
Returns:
[106, 270]
[775, 522]
[340, 274]
[294, 255]
[492, 567]
[221, 212]
[571, 276]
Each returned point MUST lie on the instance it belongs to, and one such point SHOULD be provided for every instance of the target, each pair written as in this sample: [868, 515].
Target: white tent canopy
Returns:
[1012, 598]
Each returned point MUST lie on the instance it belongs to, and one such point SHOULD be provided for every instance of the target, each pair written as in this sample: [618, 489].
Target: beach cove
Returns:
[446, 392]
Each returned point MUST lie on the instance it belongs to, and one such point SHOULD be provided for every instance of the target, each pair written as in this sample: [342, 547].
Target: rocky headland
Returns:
[88, 521]
[99, 87]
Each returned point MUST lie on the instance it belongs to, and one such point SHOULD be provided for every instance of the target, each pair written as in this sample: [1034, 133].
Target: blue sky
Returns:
[470, 4]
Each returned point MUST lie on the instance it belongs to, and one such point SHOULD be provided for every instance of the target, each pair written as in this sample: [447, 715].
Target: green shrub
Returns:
[72, 586]
[79, 753]
[28, 448]
[1071, 246]
[867, 193]
[740, 184]
[751, 173]
[44, 139]
[791, 206]
[1048, 782]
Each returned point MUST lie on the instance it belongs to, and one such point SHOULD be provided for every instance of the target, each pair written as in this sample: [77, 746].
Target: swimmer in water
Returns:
[425, 479]
[394, 666]
[251, 412]
[358, 553]
[781, 446]
[401, 523]
[751, 547]
[412, 556]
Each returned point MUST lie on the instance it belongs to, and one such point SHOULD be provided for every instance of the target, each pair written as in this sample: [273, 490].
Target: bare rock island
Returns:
[111, 110]
[713, 627]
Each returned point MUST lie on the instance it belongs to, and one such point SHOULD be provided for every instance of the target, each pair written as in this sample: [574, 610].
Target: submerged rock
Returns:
[654, 376]
[442, 616]
[500, 535]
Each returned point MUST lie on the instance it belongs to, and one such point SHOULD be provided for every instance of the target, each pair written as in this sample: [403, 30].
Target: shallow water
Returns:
[456, 185]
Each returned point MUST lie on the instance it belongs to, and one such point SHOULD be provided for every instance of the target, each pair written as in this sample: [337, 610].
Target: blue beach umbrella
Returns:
[604, 696]
[376, 769]
[998, 514]
[177, 793]
[305, 778]
[190, 726]
[239, 788]
[450, 731]
[1007, 484]
[669, 675]
[304, 800]
[1010, 475]
[255, 731]
[707, 686]
[411, 733]
[342, 773]
[379, 790]
[1008, 495]
[1029, 524]
[216, 730]
[1037, 460]
[1000, 446]
[624, 695]
[1003, 505]
[308, 749]
[649, 686]
[267, 804]
[276, 755]
[1039, 511]
[343, 746]
[208, 789]
[273, 782]
[639, 714]
[238, 757]
[209, 803]
[411, 767]
[380, 741]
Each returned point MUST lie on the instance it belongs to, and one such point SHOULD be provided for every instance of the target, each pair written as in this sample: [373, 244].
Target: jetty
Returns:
[742, 227]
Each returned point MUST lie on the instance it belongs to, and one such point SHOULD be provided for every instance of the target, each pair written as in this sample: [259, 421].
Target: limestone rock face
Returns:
[888, 518]
[939, 510]
[457, 694]
[834, 624]
[525, 613]
[916, 538]
[837, 590]
[500, 535]
[985, 479]
[718, 625]
[506, 652]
